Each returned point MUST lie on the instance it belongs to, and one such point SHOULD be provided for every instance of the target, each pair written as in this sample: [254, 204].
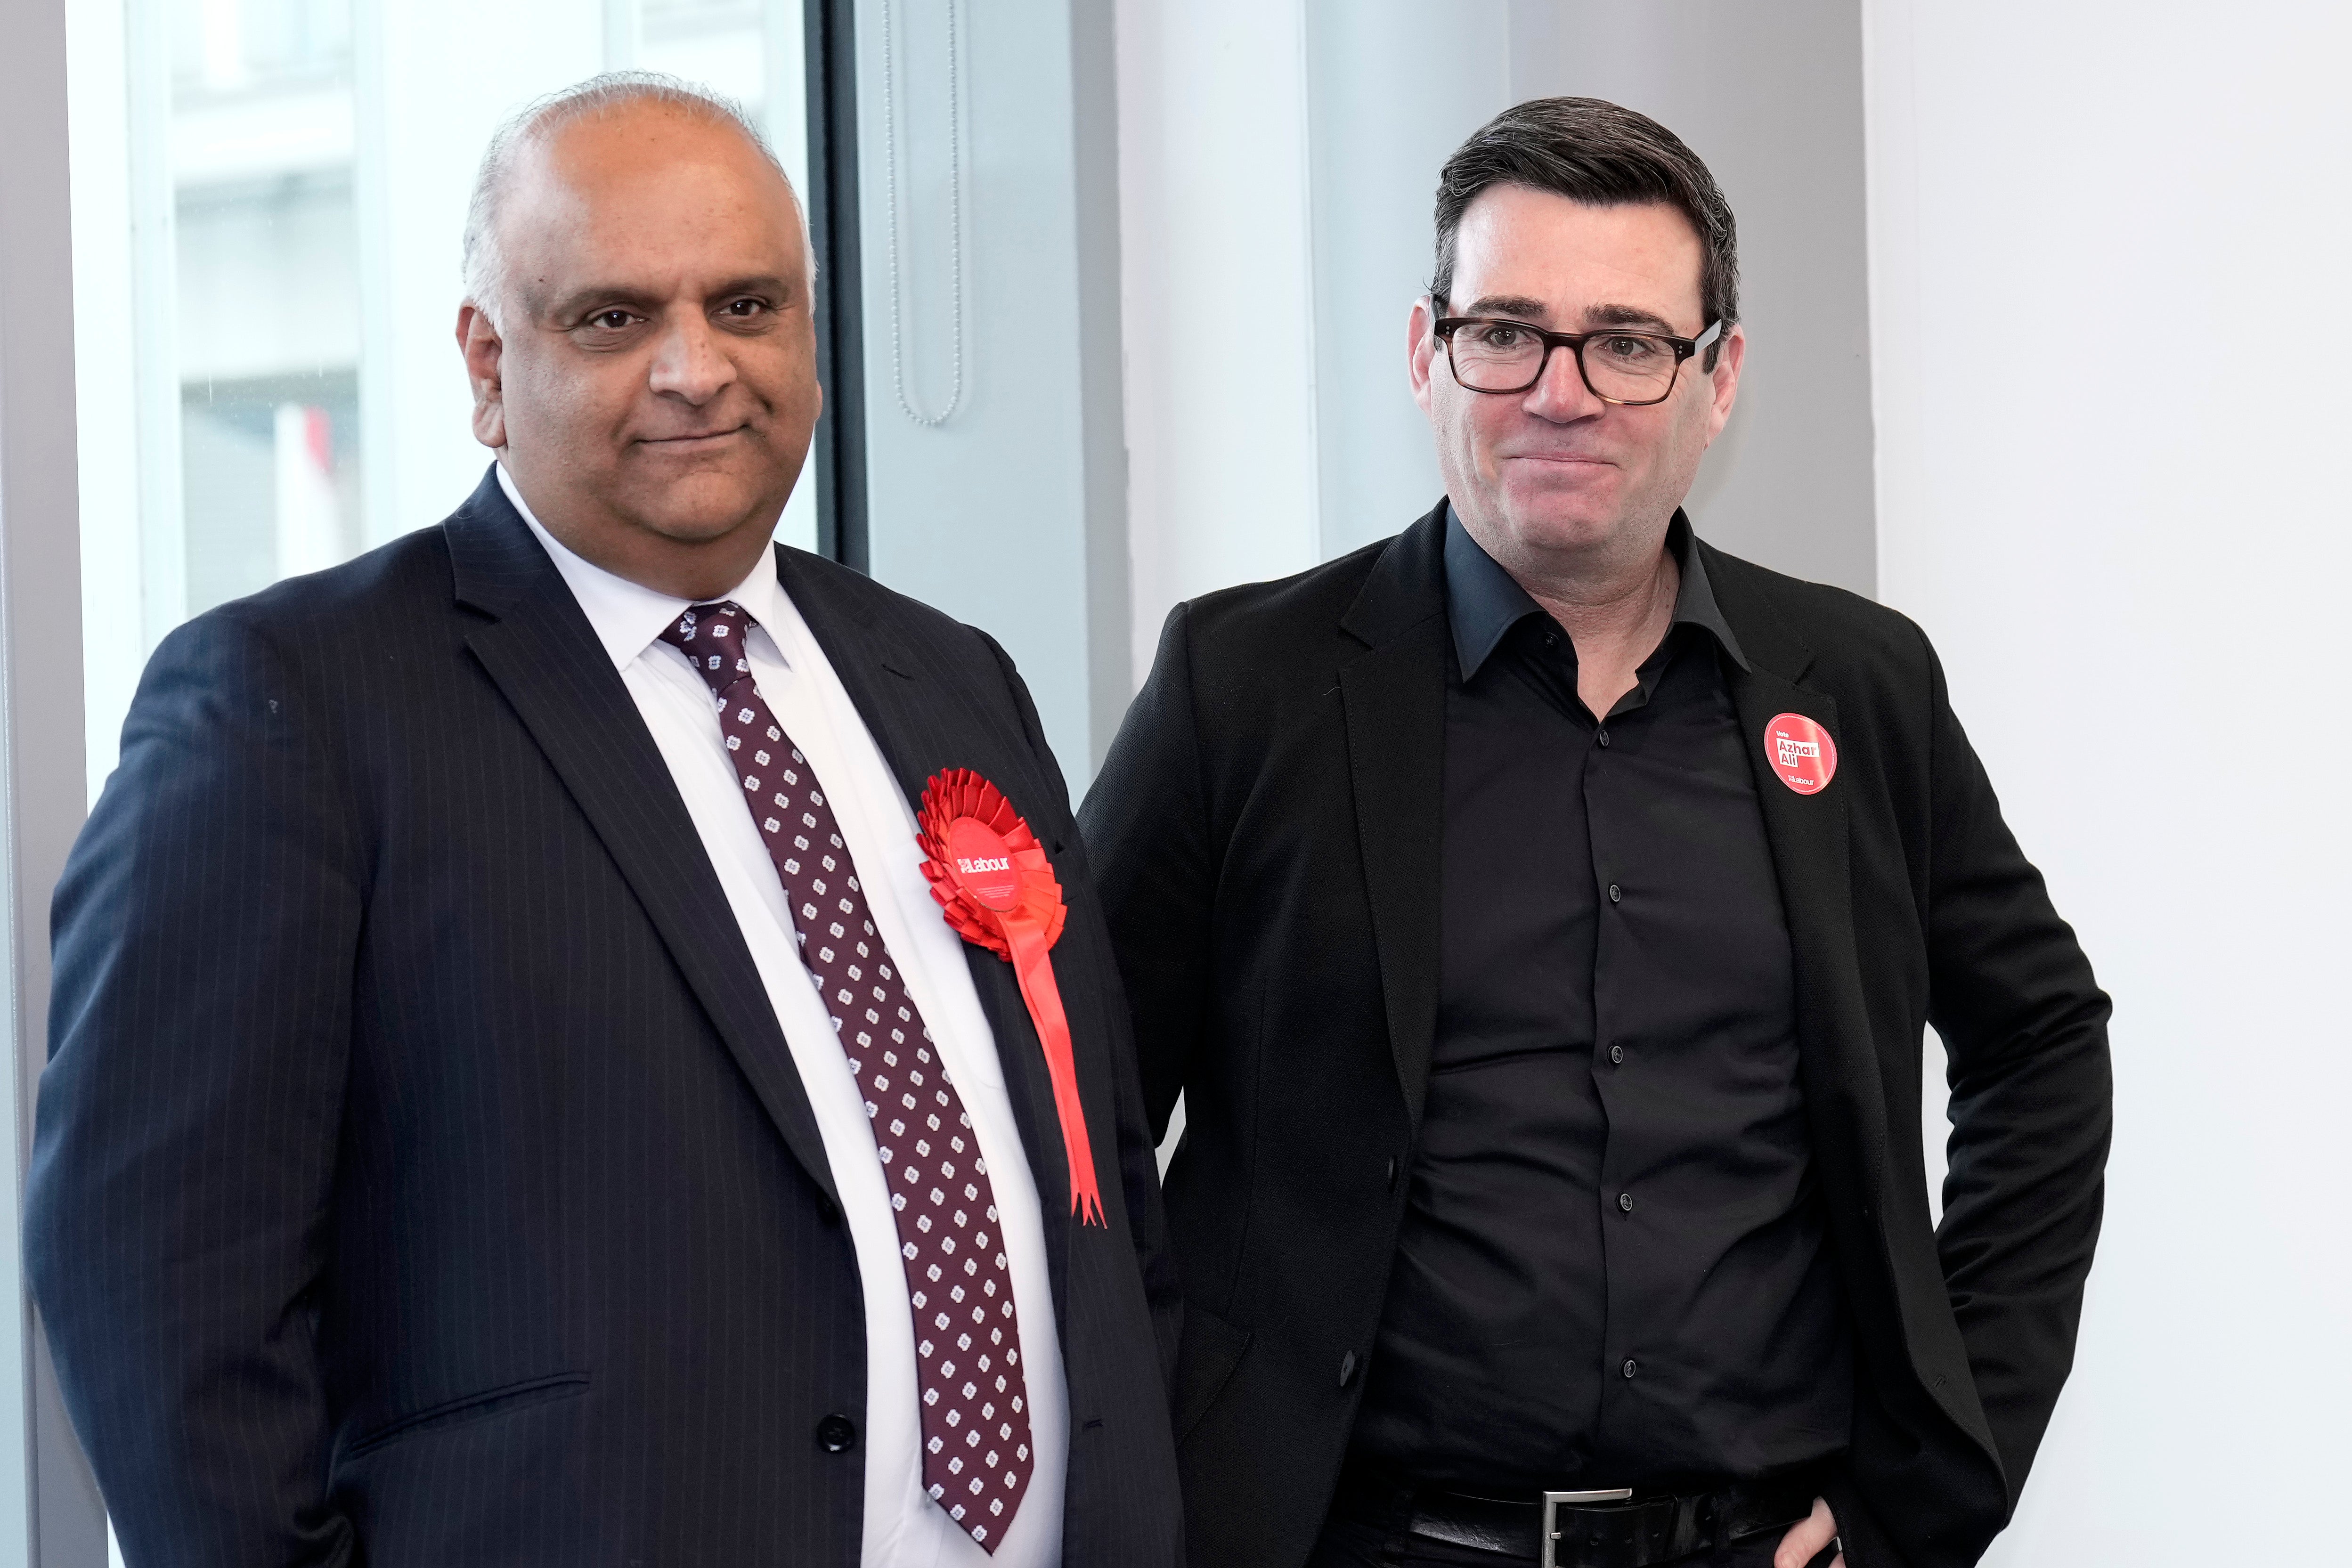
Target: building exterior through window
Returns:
[251, 222]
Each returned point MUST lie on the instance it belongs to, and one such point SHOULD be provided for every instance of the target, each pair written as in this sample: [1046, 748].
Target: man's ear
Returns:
[1420, 348]
[478, 342]
[1724, 380]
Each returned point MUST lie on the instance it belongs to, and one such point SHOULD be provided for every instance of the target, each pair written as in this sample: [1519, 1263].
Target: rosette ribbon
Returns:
[997, 888]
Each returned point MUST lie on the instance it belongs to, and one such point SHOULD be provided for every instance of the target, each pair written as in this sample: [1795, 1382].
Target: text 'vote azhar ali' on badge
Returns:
[1800, 752]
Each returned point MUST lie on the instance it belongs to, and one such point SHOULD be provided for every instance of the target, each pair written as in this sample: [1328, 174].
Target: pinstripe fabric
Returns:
[421, 1176]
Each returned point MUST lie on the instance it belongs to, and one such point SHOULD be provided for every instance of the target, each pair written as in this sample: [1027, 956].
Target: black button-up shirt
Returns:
[1612, 1268]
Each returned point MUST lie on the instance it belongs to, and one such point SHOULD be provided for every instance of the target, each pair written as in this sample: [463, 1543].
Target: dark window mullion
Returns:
[839, 451]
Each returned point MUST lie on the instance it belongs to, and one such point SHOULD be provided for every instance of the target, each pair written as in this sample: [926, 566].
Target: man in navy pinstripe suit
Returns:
[513, 1099]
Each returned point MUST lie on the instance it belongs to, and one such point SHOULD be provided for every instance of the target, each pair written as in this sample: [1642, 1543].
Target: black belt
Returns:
[1589, 1530]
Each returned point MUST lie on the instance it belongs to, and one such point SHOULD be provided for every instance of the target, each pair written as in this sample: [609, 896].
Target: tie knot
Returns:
[712, 636]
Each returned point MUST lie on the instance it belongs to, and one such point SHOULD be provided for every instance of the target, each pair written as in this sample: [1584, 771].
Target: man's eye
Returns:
[1500, 337]
[745, 309]
[1631, 349]
[611, 321]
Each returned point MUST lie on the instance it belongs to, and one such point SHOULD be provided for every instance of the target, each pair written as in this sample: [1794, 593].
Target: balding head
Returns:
[532, 126]
[637, 330]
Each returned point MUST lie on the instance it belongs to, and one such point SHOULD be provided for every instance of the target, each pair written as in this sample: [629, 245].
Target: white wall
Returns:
[1218, 303]
[2106, 249]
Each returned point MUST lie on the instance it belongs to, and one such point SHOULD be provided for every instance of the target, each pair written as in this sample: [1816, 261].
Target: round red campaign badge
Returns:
[1800, 752]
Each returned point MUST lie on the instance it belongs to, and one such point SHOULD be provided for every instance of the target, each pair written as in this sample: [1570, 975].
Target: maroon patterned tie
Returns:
[976, 1460]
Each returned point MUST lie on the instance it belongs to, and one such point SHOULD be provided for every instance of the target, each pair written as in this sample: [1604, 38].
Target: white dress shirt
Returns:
[904, 1528]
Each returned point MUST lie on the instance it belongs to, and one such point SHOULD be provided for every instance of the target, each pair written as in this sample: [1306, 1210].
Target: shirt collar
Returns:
[627, 617]
[1483, 602]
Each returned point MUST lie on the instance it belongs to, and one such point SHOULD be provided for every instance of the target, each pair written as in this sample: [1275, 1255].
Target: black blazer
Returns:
[422, 1176]
[1266, 836]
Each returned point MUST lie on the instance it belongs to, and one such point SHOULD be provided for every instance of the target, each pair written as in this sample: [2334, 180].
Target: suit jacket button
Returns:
[836, 1434]
[1347, 1369]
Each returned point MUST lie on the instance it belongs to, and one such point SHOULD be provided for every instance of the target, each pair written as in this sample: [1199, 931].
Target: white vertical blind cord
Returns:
[955, 216]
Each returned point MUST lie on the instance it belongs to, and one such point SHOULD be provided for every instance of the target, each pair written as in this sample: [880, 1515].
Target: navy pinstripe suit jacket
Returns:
[421, 1177]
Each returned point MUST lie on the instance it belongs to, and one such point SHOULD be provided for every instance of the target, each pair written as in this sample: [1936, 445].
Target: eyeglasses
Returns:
[1492, 354]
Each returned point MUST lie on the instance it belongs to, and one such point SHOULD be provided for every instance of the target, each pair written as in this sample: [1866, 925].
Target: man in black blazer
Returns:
[1539, 913]
[514, 1098]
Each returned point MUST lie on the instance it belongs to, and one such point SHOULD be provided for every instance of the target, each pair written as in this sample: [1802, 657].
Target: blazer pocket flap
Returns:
[472, 1408]
[1205, 1358]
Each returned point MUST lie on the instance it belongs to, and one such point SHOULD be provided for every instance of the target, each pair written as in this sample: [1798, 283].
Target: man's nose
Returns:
[1559, 394]
[691, 362]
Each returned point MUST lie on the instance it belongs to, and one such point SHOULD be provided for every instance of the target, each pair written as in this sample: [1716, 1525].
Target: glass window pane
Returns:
[265, 264]
[226, 306]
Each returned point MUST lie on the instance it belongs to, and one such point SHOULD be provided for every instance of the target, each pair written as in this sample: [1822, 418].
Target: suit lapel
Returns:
[1394, 701]
[546, 660]
[917, 722]
[1845, 1095]
[1807, 836]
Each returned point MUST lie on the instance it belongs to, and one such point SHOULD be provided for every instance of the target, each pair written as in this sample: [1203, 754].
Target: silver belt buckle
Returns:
[1552, 1503]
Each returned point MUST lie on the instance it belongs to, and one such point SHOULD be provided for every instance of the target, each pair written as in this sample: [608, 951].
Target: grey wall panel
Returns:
[1770, 96]
[1094, 116]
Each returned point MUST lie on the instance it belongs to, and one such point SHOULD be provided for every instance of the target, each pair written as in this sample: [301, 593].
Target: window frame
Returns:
[839, 449]
[50, 1513]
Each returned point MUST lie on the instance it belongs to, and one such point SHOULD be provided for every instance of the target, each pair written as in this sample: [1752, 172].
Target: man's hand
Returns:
[1807, 1537]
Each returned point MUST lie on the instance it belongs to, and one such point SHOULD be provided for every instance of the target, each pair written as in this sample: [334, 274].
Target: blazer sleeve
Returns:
[203, 936]
[1139, 1165]
[2025, 1035]
[1147, 829]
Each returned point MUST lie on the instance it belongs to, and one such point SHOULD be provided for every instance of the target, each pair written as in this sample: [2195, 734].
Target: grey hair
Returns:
[485, 265]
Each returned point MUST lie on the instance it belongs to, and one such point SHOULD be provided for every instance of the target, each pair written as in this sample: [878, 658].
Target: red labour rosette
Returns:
[997, 887]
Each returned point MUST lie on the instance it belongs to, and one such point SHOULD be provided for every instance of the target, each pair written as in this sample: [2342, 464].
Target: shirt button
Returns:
[1616, 893]
[1347, 1369]
[836, 1434]
[1602, 738]
[1625, 1202]
[1391, 1172]
[1631, 1368]
[1617, 1054]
